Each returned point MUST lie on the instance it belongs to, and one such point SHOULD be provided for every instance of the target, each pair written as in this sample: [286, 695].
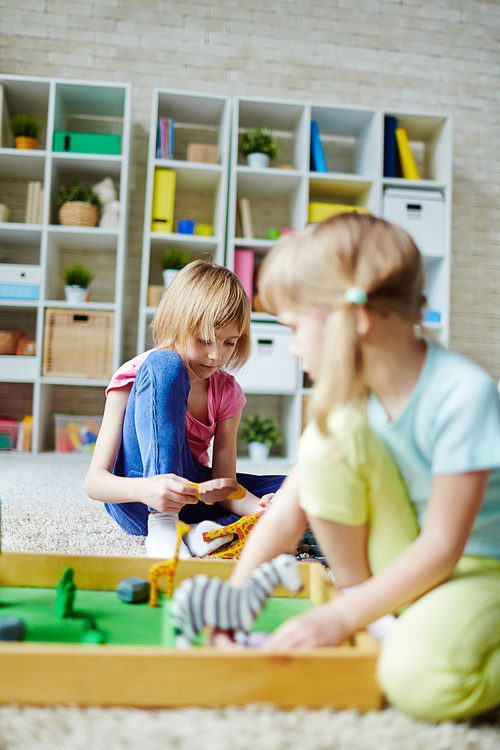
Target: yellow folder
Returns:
[322, 211]
[410, 171]
[162, 219]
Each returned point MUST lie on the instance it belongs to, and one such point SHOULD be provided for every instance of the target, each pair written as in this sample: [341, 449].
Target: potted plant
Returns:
[77, 279]
[261, 434]
[259, 146]
[78, 206]
[172, 260]
[25, 129]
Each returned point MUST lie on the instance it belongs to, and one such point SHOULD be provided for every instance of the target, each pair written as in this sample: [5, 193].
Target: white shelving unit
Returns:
[353, 144]
[75, 106]
[200, 191]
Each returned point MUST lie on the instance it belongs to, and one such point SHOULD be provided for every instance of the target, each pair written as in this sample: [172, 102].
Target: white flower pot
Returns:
[169, 275]
[258, 161]
[258, 451]
[75, 295]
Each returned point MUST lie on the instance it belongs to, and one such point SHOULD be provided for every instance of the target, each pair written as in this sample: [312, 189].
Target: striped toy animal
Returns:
[202, 600]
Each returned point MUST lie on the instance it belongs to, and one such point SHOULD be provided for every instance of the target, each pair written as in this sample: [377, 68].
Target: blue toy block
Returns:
[11, 629]
[133, 590]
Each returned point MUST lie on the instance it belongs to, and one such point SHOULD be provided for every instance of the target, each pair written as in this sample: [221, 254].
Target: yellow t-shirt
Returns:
[350, 478]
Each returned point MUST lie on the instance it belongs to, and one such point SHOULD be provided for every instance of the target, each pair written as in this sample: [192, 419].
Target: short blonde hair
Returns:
[312, 269]
[203, 298]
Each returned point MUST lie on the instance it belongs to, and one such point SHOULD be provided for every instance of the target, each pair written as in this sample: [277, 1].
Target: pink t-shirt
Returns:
[225, 399]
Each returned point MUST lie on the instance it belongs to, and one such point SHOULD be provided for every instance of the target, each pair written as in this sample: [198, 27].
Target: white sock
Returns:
[379, 628]
[162, 537]
[195, 542]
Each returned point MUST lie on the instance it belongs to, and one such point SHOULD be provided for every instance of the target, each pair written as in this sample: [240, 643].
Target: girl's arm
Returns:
[453, 505]
[165, 492]
[278, 530]
[224, 464]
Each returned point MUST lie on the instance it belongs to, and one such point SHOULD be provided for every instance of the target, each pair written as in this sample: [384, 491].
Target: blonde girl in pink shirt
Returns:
[165, 407]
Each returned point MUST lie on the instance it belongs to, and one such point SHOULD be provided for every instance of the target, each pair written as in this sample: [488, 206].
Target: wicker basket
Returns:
[78, 344]
[78, 214]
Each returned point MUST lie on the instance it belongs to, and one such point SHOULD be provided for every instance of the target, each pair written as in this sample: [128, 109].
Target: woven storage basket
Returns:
[78, 344]
[78, 214]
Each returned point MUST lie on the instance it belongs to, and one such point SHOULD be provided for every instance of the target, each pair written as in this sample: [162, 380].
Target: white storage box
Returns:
[19, 282]
[421, 214]
[271, 368]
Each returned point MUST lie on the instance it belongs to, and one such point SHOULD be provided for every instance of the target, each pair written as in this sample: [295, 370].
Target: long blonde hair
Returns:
[202, 298]
[312, 270]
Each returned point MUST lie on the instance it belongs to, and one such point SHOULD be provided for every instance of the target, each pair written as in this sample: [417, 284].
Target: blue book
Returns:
[318, 161]
[390, 147]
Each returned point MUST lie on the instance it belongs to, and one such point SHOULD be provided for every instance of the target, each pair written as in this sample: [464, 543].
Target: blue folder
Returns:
[318, 162]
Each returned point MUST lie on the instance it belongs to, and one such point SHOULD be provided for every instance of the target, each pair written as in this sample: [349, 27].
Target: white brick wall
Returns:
[419, 54]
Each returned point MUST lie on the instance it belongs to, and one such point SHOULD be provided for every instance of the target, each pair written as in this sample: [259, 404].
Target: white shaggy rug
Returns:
[45, 509]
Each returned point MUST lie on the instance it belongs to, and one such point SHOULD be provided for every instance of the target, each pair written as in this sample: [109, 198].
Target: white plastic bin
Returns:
[75, 433]
[271, 368]
[421, 214]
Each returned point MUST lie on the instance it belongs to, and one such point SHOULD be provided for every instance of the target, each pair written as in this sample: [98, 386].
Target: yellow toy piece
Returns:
[217, 488]
[166, 569]
[241, 528]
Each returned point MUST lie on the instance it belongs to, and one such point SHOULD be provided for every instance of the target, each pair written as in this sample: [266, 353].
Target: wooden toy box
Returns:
[151, 676]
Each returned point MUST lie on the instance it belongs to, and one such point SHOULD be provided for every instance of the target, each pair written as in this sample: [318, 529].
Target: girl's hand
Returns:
[318, 627]
[266, 500]
[222, 639]
[167, 493]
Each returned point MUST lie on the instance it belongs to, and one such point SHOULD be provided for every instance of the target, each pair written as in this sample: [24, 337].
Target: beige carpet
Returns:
[44, 508]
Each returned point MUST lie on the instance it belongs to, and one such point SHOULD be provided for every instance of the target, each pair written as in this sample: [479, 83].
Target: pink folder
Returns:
[243, 268]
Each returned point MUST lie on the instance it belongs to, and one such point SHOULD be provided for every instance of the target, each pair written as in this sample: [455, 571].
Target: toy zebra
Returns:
[202, 601]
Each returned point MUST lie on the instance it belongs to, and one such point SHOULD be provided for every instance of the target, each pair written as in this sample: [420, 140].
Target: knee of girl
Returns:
[167, 365]
[416, 686]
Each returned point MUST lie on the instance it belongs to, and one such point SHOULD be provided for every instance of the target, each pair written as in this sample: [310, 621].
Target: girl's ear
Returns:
[363, 321]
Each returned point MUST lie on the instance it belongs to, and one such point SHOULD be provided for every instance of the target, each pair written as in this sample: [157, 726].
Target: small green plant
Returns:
[174, 258]
[24, 125]
[79, 191]
[257, 429]
[259, 141]
[77, 275]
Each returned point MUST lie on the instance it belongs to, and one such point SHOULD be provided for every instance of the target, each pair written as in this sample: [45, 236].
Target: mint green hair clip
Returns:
[356, 295]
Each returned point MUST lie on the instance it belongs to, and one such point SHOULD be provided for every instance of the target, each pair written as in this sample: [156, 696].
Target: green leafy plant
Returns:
[257, 429]
[24, 125]
[77, 275]
[174, 258]
[79, 191]
[260, 141]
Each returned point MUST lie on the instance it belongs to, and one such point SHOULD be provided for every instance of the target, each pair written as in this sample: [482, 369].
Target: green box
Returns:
[87, 143]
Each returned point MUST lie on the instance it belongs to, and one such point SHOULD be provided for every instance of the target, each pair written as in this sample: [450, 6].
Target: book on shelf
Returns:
[243, 268]
[6, 137]
[408, 166]
[34, 203]
[29, 204]
[390, 147]
[318, 161]
[246, 218]
[162, 219]
[238, 230]
[165, 138]
[38, 210]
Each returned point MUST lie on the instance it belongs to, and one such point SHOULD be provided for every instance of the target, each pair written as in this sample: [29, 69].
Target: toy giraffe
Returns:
[241, 528]
[166, 569]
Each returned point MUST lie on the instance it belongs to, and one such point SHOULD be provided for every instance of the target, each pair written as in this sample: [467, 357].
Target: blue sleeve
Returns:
[466, 433]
